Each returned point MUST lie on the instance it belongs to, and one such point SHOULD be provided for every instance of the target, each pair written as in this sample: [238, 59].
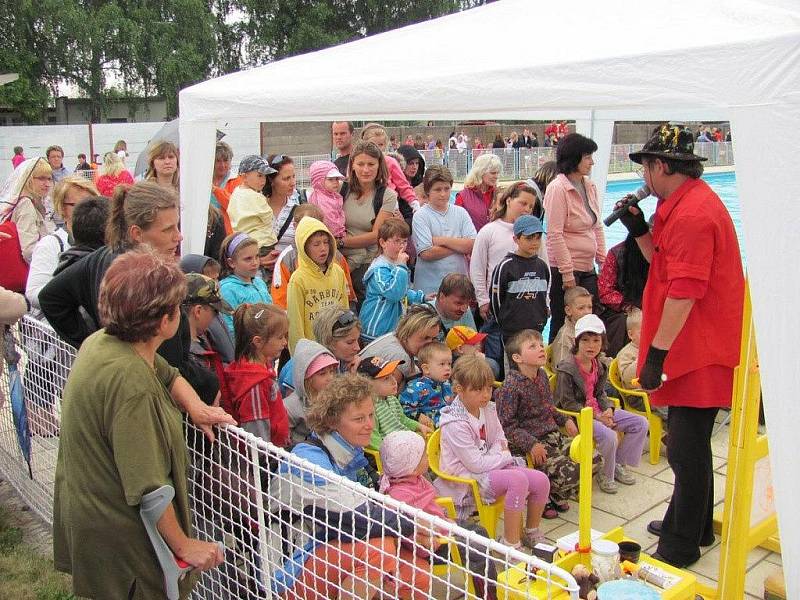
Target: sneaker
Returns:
[621, 474]
[609, 486]
[532, 537]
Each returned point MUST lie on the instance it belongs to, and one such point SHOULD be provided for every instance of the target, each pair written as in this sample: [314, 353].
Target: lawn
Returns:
[25, 574]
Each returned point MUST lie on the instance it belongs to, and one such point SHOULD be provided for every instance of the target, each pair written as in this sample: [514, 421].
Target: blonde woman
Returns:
[68, 193]
[112, 174]
[162, 164]
[22, 202]
[479, 190]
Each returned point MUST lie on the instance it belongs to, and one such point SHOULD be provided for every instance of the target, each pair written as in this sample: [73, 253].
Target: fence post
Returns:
[263, 542]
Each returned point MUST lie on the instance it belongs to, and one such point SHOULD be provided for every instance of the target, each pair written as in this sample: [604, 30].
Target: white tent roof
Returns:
[594, 62]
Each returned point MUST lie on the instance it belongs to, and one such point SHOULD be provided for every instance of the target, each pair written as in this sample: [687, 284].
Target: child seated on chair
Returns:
[425, 396]
[463, 340]
[389, 415]
[580, 382]
[627, 359]
[474, 446]
[531, 422]
[405, 464]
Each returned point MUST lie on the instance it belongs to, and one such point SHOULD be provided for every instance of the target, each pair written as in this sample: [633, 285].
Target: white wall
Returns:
[244, 138]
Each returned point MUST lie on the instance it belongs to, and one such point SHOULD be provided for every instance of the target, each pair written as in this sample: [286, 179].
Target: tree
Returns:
[25, 37]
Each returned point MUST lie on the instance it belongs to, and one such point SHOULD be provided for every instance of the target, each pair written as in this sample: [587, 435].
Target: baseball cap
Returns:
[254, 162]
[334, 172]
[204, 290]
[461, 334]
[527, 225]
[319, 363]
[376, 367]
[589, 324]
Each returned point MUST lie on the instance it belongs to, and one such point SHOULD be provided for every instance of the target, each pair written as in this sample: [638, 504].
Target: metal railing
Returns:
[258, 501]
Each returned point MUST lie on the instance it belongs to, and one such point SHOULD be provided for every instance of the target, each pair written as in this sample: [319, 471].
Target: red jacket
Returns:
[696, 255]
[252, 394]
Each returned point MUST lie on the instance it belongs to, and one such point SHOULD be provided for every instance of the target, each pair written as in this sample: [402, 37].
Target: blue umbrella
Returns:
[18, 408]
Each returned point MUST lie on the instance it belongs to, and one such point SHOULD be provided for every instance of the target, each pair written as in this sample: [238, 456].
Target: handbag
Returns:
[14, 270]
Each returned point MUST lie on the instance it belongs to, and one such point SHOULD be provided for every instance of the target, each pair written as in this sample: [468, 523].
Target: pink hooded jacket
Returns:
[331, 203]
[461, 454]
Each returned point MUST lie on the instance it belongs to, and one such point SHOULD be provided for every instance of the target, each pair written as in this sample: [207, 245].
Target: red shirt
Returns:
[696, 255]
[252, 394]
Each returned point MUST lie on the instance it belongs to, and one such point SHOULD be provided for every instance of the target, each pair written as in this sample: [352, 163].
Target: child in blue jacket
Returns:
[425, 396]
[387, 282]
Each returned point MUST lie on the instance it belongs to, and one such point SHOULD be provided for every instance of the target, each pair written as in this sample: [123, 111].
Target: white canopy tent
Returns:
[595, 62]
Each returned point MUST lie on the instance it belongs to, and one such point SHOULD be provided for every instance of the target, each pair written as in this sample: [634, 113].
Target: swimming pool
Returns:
[724, 184]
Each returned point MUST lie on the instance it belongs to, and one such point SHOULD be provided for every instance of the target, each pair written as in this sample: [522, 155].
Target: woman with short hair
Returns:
[419, 326]
[575, 239]
[122, 438]
[360, 555]
[480, 186]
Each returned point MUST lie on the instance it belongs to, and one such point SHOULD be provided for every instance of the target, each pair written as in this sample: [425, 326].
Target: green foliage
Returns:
[156, 47]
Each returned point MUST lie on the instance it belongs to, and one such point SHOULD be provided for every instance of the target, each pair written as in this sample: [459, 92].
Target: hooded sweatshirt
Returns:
[410, 153]
[387, 286]
[253, 399]
[464, 453]
[329, 202]
[286, 265]
[297, 402]
[236, 291]
[218, 335]
[311, 287]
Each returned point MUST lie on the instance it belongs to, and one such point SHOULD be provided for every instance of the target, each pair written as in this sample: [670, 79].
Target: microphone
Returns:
[628, 201]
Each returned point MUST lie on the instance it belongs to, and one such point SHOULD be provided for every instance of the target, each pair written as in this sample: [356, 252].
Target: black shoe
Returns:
[675, 563]
[654, 528]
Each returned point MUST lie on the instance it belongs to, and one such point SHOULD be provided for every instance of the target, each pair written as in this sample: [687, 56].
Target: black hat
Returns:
[668, 142]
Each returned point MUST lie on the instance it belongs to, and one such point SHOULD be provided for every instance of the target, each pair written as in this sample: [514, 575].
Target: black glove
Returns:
[635, 224]
[652, 372]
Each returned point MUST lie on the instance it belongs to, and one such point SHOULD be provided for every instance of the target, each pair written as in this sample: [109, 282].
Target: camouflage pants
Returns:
[559, 468]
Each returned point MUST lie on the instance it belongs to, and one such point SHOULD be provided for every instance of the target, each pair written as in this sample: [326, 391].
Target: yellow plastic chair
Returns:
[377, 456]
[443, 570]
[489, 514]
[552, 380]
[548, 365]
[654, 423]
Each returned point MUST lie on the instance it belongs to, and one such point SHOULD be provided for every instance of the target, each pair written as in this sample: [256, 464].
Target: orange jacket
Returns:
[223, 197]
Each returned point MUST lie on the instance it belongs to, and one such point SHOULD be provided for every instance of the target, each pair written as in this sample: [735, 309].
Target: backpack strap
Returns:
[60, 242]
[377, 200]
[287, 222]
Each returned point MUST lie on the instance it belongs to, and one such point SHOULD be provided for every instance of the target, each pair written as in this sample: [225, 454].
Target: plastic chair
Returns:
[654, 423]
[549, 368]
[377, 456]
[552, 380]
[488, 514]
[443, 570]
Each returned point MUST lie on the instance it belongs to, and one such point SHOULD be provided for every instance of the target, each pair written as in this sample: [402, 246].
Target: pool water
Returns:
[724, 184]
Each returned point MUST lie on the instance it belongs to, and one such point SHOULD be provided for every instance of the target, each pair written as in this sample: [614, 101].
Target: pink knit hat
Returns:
[401, 452]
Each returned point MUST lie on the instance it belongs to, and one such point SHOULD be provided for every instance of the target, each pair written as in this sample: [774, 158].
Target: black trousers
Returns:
[688, 521]
[585, 279]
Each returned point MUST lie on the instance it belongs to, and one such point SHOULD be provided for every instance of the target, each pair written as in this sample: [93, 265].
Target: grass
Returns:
[25, 574]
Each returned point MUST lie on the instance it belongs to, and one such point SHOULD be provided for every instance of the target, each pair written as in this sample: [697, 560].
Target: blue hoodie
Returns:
[236, 291]
[387, 285]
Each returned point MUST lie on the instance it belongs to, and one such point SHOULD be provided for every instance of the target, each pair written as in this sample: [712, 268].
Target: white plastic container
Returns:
[605, 560]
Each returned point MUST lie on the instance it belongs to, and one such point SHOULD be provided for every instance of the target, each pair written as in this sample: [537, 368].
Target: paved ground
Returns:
[635, 506]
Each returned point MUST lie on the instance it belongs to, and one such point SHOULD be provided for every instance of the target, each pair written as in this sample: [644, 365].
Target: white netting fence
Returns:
[291, 529]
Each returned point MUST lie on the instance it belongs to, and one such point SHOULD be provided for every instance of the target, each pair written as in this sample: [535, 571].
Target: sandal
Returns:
[550, 511]
[560, 506]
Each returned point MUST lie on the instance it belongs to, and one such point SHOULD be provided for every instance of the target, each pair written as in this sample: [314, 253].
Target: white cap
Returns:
[589, 323]
[334, 172]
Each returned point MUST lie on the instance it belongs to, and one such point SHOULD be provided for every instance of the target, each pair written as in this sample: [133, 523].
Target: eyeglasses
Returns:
[277, 159]
[346, 319]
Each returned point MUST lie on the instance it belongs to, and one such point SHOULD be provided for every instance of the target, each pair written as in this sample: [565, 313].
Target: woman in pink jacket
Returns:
[575, 239]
